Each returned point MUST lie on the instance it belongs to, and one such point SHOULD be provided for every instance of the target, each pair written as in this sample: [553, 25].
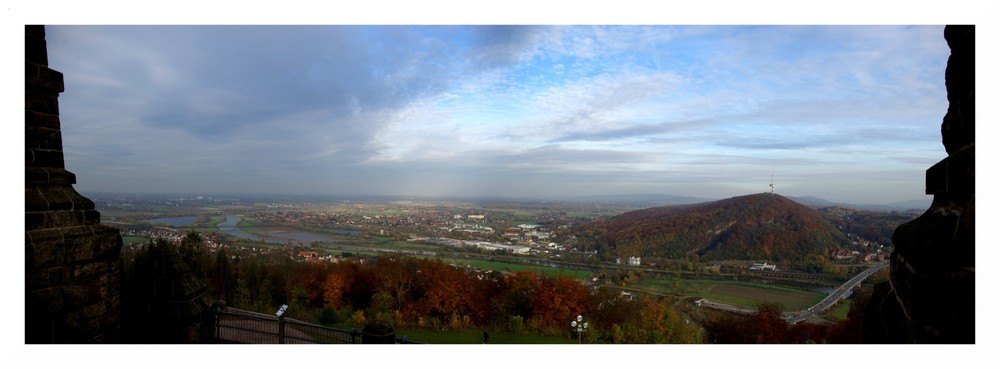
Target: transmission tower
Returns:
[772, 183]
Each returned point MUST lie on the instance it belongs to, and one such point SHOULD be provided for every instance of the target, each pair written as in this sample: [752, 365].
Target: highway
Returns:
[836, 295]
[791, 317]
[798, 316]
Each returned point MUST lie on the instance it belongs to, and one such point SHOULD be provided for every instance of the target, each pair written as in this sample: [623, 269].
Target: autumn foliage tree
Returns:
[409, 291]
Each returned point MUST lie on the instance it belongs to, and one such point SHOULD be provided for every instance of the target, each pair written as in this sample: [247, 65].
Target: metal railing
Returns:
[242, 326]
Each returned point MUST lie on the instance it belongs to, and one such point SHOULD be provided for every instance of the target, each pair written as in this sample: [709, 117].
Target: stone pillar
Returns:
[931, 294]
[72, 264]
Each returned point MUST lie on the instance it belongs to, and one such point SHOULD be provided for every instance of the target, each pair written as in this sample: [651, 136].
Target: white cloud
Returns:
[595, 108]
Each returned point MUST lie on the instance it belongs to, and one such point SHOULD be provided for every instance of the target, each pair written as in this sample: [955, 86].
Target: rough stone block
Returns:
[109, 241]
[94, 311]
[32, 73]
[40, 278]
[38, 78]
[33, 175]
[63, 219]
[46, 247]
[41, 103]
[47, 159]
[35, 50]
[936, 178]
[57, 198]
[60, 276]
[91, 217]
[42, 138]
[79, 202]
[51, 299]
[957, 172]
[34, 200]
[83, 252]
[42, 120]
[34, 220]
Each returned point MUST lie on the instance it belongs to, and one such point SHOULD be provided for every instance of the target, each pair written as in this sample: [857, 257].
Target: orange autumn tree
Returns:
[558, 300]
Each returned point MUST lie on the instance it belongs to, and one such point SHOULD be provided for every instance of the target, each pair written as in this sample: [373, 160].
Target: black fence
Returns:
[241, 326]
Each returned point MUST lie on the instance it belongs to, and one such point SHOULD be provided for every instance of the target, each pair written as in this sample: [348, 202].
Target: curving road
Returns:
[798, 316]
[836, 295]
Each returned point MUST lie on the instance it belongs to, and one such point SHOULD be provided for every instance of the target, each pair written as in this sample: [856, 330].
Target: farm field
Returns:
[736, 293]
[495, 265]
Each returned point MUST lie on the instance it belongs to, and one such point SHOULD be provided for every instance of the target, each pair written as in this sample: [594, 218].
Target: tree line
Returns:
[422, 293]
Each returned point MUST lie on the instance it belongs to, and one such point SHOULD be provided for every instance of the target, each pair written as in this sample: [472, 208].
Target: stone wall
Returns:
[931, 294]
[72, 264]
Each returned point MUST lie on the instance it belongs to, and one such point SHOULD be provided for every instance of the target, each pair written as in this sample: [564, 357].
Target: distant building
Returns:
[497, 246]
[843, 254]
[762, 266]
[634, 260]
[539, 235]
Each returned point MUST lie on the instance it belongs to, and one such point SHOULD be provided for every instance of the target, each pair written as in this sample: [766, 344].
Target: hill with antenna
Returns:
[762, 226]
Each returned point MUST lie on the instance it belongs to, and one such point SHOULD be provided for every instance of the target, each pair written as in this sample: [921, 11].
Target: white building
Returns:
[762, 266]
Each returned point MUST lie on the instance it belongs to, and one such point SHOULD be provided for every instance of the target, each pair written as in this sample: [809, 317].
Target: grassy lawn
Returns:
[215, 220]
[548, 271]
[249, 226]
[406, 245]
[839, 311]
[737, 293]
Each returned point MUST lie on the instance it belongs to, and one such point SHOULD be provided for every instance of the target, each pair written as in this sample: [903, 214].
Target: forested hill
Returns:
[761, 226]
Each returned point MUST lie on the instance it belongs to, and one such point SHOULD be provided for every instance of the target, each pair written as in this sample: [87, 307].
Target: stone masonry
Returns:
[931, 294]
[72, 264]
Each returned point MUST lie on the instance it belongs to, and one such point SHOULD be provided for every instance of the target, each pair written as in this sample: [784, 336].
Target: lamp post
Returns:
[579, 326]
[281, 323]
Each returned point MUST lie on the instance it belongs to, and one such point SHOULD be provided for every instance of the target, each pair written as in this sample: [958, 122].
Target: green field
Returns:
[839, 311]
[495, 265]
[134, 239]
[736, 293]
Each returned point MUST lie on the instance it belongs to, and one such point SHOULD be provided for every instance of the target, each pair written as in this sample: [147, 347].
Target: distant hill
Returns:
[761, 226]
[644, 200]
[816, 202]
[871, 225]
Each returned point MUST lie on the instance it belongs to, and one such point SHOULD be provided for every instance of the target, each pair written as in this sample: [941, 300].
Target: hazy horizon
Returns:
[849, 114]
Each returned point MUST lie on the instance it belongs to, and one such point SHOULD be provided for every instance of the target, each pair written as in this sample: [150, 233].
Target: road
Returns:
[837, 294]
[812, 312]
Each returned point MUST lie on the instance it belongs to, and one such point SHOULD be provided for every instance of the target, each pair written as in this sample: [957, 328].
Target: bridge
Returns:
[799, 316]
[837, 294]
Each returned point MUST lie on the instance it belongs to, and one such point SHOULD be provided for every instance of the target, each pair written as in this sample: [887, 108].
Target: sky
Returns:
[844, 113]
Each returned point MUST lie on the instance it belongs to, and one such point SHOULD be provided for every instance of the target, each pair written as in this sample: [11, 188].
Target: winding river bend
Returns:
[229, 226]
[279, 236]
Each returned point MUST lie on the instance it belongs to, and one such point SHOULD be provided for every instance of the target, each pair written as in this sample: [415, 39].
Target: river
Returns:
[278, 236]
